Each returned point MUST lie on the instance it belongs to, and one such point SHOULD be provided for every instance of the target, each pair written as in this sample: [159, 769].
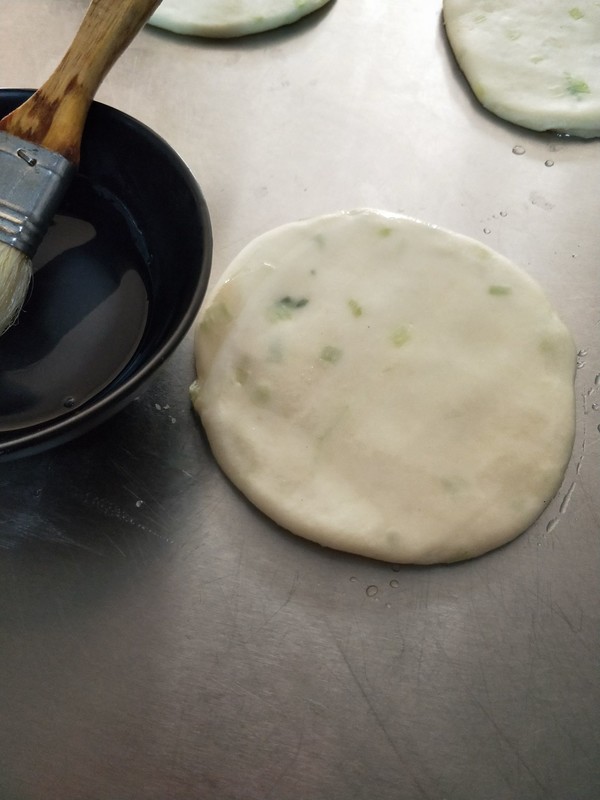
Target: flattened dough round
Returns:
[536, 64]
[224, 18]
[386, 387]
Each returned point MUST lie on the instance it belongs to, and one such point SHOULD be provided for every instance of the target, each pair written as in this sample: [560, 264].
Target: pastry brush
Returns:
[40, 140]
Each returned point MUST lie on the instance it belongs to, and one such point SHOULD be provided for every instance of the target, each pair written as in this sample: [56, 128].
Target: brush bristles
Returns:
[15, 275]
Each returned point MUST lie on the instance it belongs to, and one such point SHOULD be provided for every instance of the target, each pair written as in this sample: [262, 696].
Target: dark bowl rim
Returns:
[56, 431]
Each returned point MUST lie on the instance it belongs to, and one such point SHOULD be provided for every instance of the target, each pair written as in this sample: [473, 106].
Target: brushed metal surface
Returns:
[159, 638]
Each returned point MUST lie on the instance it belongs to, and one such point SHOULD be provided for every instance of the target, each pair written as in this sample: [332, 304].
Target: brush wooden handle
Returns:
[54, 116]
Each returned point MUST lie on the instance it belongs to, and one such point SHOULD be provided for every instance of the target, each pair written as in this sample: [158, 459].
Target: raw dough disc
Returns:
[385, 387]
[536, 64]
[224, 18]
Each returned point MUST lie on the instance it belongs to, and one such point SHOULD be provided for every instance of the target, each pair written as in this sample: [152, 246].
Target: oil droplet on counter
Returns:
[567, 499]
[394, 584]
[371, 591]
[518, 150]
[549, 163]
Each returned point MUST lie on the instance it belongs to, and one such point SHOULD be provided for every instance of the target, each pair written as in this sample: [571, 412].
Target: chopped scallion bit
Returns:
[355, 308]
[400, 336]
[283, 308]
[499, 290]
[261, 395]
[547, 346]
[577, 86]
[241, 375]
[275, 351]
[217, 314]
[330, 354]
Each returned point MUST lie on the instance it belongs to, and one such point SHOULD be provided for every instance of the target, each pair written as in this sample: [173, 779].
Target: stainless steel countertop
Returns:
[159, 637]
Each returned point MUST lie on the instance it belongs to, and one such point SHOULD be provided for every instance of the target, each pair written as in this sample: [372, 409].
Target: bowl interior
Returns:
[118, 281]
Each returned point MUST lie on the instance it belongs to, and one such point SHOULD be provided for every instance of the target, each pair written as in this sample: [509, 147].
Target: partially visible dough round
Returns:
[536, 64]
[385, 387]
[225, 18]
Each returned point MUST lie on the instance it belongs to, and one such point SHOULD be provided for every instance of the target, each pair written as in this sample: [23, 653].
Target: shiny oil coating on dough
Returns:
[536, 64]
[385, 387]
[229, 18]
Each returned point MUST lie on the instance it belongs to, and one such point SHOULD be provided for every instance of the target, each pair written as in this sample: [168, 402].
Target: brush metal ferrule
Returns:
[33, 181]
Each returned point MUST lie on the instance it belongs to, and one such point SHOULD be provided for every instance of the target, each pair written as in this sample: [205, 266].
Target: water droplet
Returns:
[394, 584]
[598, 428]
[69, 402]
[551, 525]
[504, 213]
[388, 605]
[518, 150]
[582, 353]
[595, 406]
[567, 499]
[398, 567]
[549, 163]
[353, 579]
[597, 380]
[372, 591]
[580, 364]
[486, 230]
[139, 503]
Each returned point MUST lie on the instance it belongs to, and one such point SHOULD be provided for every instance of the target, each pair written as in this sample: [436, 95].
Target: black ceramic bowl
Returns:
[118, 281]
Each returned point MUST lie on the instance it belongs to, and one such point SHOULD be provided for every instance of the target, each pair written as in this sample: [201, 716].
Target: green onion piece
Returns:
[330, 354]
[217, 314]
[499, 290]
[576, 86]
[275, 351]
[548, 347]
[401, 336]
[283, 308]
[261, 395]
[355, 308]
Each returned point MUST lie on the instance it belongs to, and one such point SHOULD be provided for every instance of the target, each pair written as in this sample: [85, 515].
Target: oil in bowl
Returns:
[84, 318]
[118, 281]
